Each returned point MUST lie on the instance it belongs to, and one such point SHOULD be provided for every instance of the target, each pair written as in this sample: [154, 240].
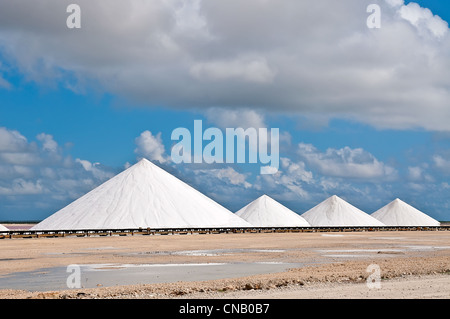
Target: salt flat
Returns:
[263, 257]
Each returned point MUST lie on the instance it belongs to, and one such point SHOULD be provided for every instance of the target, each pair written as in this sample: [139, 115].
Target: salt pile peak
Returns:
[334, 211]
[399, 213]
[267, 212]
[144, 195]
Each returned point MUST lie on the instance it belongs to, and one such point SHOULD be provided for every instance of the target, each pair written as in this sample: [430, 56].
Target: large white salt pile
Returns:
[144, 196]
[267, 212]
[3, 228]
[399, 213]
[335, 211]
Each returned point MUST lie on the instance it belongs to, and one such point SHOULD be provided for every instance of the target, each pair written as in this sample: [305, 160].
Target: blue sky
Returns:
[362, 112]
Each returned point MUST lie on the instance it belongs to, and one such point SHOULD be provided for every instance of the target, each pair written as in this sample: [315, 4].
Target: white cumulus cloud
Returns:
[345, 162]
[150, 146]
[423, 19]
[38, 175]
[312, 58]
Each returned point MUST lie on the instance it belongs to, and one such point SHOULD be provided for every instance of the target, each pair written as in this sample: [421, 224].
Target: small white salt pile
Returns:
[335, 211]
[267, 212]
[399, 213]
[143, 196]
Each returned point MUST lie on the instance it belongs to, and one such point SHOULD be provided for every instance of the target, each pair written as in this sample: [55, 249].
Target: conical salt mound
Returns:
[267, 212]
[3, 228]
[399, 213]
[144, 196]
[335, 211]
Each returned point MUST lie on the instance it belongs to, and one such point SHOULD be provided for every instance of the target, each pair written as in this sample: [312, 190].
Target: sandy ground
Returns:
[412, 264]
[405, 287]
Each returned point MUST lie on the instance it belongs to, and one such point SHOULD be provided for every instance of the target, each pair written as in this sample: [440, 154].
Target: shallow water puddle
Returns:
[347, 256]
[332, 235]
[425, 248]
[359, 250]
[357, 253]
[209, 252]
[96, 275]
[100, 267]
